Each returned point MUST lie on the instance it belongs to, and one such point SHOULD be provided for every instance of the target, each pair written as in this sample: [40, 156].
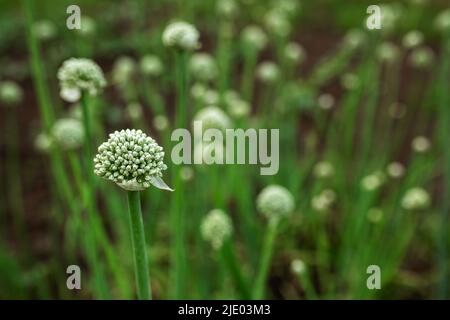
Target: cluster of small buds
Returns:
[275, 202]
[412, 39]
[203, 67]
[388, 52]
[216, 228]
[10, 93]
[323, 201]
[415, 199]
[421, 58]
[326, 101]
[421, 144]
[395, 170]
[375, 215]
[151, 65]
[227, 8]
[68, 133]
[80, 75]
[132, 160]
[323, 170]
[123, 69]
[277, 22]
[373, 181]
[181, 35]
[44, 30]
[254, 38]
[268, 72]
[213, 118]
[294, 53]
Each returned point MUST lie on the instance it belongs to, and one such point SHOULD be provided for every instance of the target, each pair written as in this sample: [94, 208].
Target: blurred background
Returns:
[364, 119]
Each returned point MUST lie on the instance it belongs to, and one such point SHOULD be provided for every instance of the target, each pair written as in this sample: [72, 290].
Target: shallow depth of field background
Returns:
[352, 102]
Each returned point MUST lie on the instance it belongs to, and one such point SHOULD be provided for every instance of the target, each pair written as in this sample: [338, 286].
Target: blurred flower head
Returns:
[298, 266]
[181, 35]
[203, 66]
[421, 144]
[253, 37]
[294, 53]
[323, 170]
[388, 52]
[160, 122]
[325, 101]
[10, 93]
[227, 8]
[323, 201]
[275, 202]
[150, 65]
[395, 170]
[68, 133]
[268, 72]
[415, 199]
[373, 181]
[375, 215]
[442, 21]
[123, 69]
[134, 110]
[213, 117]
[216, 228]
[44, 30]
[277, 22]
[421, 58]
[412, 39]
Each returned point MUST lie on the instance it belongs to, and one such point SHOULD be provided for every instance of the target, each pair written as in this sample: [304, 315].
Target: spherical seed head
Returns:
[132, 160]
[415, 199]
[203, 67]
[268, 72]
[123, 70]
[388, 52]
[216, 228]
[373, 181]
[421, 58]
[442, 21]
[421, 144]
[294, 52]
[275, 202]
[395, 170]
[68, 133]
[181, 35]
[323, 169]
[277, 23]
[254, 37]
[44, 29]
[151, 65]
[325, 101]
[298, 266]
[82, 75]
[412, 39]
[213, 118]
[10, 93]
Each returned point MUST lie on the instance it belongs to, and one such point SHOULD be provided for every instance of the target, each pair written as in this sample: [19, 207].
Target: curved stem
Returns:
[139, 247]
[269, 241]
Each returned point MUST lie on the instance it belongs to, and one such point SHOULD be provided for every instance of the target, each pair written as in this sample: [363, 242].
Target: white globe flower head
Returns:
[160, 122]
[275, 202]
[298, 266]
[132, 160]
[388, 52]
[415, 199]
[216, 228]
[442, 21]
[10, 93]
[323, 170]
[81, 75]
[213, 118]
[412, 39]
[181, 35]
[421, 144]
[151, 65]
[373, 181]
[68, 133]
[421, 58]
[323, 201]
[203, 66]
[326, 101]
[227, 8]
[294, 53]
[395, 170]
[268, 72]
[253, 37]
[44, 30]
[123, 70]
[277, 23]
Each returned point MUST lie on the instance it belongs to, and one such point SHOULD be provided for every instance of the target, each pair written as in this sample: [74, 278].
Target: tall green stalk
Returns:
[139, 246]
